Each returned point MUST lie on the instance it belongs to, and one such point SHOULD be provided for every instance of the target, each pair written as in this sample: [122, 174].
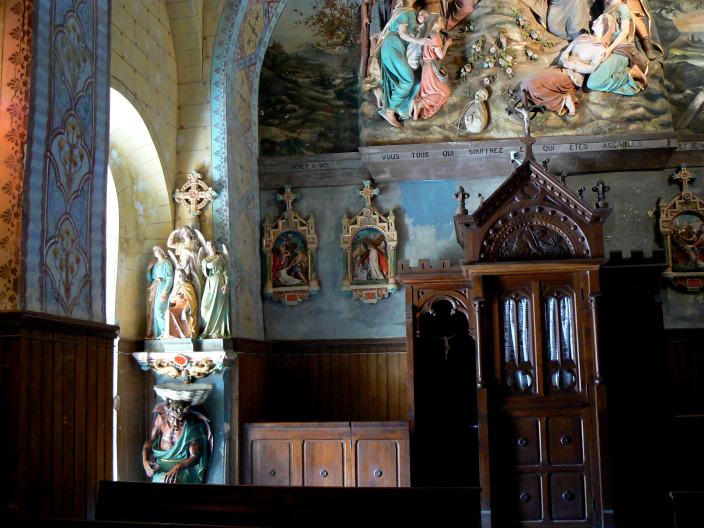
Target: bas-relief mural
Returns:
[14, 93]
[308, 96]
[423, 71]
[65, 199]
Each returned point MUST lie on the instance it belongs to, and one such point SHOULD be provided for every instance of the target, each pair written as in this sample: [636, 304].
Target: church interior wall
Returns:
[143, 68]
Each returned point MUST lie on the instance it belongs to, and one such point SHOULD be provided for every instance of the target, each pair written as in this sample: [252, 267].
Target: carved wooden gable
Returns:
[532, 216]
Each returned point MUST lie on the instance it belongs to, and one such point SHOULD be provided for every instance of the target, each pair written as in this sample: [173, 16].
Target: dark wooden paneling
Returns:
[56, 379]
[355, 380]
[685, 371]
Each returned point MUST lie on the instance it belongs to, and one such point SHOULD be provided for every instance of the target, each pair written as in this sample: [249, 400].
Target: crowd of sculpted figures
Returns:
[188, 288]
[407, 43]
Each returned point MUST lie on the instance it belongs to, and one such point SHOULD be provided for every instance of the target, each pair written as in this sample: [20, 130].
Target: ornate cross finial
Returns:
[683, 177]
[461, 196]
[369, 192]
[580, 192]
[601, 189]
[563, 177]
[287, 197]
[545, 164]
[195, 194]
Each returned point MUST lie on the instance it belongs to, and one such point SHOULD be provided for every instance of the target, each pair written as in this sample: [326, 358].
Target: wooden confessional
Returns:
[526, 297]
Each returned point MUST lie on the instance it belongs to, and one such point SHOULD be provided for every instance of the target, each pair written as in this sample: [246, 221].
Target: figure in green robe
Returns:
[179, 446]
[215, 305]
[399, 81]
[160, 277]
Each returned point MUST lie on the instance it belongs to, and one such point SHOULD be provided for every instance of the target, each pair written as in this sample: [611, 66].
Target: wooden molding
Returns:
[15, 322]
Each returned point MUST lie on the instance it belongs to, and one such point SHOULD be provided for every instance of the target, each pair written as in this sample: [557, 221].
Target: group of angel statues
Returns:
[405, 44]
[188, 288]
[607, 59]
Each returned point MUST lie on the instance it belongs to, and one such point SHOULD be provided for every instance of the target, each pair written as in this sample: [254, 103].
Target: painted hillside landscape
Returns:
[308, 95]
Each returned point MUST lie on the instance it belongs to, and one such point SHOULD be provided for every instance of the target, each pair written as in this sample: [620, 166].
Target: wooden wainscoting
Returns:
[345, 380]
[56, 390]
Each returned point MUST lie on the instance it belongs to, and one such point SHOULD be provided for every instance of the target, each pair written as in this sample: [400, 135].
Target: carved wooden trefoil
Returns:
[681, 224]
[369, 242]
[290, 245]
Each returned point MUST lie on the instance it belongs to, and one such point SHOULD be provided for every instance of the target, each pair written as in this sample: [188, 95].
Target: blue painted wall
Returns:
[424, 213]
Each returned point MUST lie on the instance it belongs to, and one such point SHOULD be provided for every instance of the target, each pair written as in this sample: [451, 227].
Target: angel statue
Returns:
[182, 317]
[215, 305]
[160, 276]
[188, 245]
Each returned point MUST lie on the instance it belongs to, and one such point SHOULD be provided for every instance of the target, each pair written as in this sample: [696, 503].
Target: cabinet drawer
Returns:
[523, 445]
[523, 498]
[377, 463]
[323, 463]
[271, 463]
[567, 496]
[565, 434]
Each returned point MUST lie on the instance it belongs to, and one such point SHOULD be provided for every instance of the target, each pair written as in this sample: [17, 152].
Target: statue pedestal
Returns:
[184, 362]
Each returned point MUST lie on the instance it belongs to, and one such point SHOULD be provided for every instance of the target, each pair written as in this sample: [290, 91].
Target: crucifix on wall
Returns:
[195, 194]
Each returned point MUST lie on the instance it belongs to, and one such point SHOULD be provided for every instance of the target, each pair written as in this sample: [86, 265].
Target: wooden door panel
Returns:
[523, 446]
[323, 463]
[522, 500]
[565, 439]
[567, 496]
[271, 462]
[377, 463]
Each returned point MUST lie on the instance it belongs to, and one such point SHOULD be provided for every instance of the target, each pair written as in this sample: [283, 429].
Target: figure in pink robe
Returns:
[434, 88]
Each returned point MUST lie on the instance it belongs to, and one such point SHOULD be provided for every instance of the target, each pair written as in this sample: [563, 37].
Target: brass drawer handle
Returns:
[378, 473]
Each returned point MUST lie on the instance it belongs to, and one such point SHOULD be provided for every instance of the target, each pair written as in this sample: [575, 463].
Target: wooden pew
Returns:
[287, 506]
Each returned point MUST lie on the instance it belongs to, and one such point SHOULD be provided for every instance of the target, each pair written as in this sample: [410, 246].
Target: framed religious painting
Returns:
[681, 224]
[369, 242]
[290, 245]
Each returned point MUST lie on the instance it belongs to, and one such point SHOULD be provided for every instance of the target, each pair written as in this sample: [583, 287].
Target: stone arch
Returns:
[240, 44]
[146, 211]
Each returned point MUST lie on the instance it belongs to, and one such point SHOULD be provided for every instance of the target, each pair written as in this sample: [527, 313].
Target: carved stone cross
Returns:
[288, 197]
[195, 194]
[683, 177]
[369, 192]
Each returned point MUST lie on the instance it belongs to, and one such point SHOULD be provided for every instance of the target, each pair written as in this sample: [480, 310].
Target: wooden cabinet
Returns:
[362, 454]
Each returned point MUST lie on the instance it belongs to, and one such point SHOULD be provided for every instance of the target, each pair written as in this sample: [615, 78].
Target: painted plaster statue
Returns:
[565, 18]
[182, 316]
[556, 88]
[643, 23]
[177, 450]
[160, 276]
[621, 70]
[434, 88]
[215, 304]
[458, 10]
[188, 245]
[399, 83]
[476, 115]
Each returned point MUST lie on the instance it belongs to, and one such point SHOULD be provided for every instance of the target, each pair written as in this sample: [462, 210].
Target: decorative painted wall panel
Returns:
[14, 110]
[64, 252]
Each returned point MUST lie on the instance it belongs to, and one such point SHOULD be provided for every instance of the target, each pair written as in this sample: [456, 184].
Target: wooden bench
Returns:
[286, 506]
